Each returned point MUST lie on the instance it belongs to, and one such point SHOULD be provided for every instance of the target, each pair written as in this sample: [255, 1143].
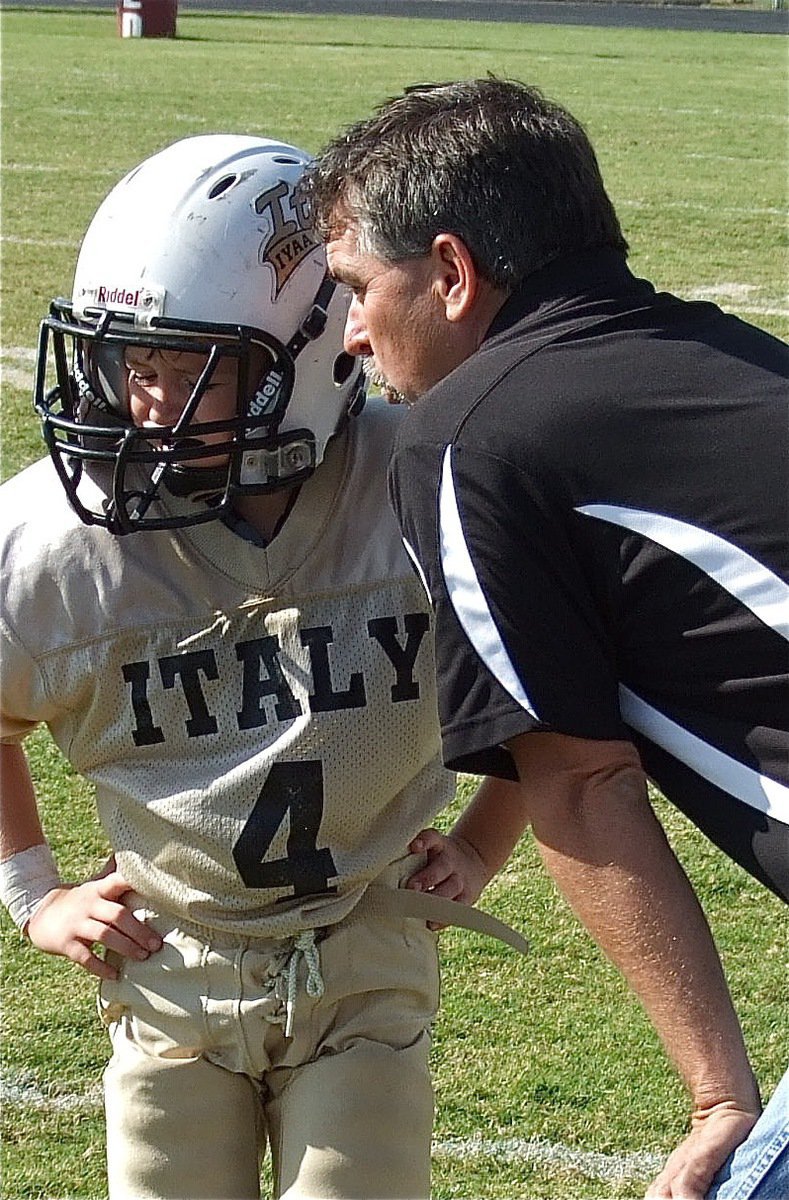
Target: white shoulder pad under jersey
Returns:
[260, 725]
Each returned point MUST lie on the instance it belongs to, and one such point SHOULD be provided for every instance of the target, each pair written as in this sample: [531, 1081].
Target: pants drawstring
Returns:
[285, 978]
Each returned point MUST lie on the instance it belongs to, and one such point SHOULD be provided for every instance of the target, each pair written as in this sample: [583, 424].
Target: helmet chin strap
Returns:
[313, 326]
[189, 481]
[291, 458]
[314, 323]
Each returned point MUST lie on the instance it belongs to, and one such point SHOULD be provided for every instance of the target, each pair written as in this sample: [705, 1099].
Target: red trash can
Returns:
[147, 18]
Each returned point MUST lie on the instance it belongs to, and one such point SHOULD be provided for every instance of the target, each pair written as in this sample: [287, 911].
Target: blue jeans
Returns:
[759, 1168]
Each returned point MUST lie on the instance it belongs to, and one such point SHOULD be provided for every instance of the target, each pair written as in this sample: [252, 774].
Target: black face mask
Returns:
[120, 476]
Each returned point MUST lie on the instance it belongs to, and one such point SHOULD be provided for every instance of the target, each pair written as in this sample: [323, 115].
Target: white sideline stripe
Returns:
[733, 158]
[466, 595]
[770, 117]
[740, 297]
[607, 1167]
[16, 366]
[21, 1090]
[63, 168]
[45, 168]
[16, 377]
[760, 310]
[11, 239]
[699, 206]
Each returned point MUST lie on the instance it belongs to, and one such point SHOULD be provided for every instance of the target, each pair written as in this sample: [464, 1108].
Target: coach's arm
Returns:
[601, 842]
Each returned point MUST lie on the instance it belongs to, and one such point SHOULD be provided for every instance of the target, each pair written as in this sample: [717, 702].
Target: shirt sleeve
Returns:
[520, 641]
[22, 702]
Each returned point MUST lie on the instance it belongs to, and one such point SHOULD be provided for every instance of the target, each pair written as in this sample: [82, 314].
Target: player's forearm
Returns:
[20, 826]
[609, 856]
[64, 919]
[493, 821]
[28, 872]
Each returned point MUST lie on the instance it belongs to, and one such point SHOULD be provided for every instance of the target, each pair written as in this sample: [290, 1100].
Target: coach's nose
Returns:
[356, 340]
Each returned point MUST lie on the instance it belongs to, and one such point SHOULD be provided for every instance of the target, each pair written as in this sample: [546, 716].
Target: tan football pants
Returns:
[202, 1073]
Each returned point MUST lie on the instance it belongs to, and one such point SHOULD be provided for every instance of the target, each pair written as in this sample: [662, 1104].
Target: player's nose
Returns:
[166, 403]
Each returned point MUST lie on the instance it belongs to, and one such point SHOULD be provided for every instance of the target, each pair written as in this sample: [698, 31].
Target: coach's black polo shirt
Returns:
[597, 501]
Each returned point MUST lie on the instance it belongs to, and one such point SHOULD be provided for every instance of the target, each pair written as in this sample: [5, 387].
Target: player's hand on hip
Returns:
[690, 1170]
[74, 918]
[454, 868]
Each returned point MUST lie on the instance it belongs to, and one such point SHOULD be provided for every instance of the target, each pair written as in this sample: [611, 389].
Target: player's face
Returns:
[160, 383]
[395, 321]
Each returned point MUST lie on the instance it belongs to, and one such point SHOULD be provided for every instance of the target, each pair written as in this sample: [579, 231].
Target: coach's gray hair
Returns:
[512, 174]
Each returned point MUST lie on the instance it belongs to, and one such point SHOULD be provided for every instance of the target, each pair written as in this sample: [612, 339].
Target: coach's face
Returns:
[404, 316]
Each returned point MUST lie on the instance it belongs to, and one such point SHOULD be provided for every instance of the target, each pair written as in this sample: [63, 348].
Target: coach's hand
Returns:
[716, 1133]
[72, 919]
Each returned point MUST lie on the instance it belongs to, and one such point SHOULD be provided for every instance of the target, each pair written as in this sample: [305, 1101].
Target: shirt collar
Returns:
[592, 275]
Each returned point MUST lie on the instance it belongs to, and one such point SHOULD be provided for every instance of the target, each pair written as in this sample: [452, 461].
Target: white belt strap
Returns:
[425, 906]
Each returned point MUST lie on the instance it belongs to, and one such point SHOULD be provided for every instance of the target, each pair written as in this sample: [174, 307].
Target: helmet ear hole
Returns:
[343, 368]
[222, 185]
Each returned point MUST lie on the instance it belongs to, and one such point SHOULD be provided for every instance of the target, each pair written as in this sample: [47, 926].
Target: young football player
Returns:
[223, 633]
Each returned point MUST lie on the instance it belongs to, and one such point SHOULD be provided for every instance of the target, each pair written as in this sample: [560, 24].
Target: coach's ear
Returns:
[455, 278]
[470, 301]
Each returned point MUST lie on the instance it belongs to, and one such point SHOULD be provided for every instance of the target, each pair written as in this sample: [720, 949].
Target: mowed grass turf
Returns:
[550, 1082]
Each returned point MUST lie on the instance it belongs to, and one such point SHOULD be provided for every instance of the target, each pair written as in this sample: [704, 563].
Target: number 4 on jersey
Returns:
[293, 790]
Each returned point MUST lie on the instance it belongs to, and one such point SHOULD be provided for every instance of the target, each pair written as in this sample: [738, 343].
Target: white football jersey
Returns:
[260, 724]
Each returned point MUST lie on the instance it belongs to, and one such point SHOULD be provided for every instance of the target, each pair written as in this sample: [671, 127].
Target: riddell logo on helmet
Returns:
[291, 237]
[267, 396]
[118, 296]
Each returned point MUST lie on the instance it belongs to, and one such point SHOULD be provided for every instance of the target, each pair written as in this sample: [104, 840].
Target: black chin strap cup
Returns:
[314, 323]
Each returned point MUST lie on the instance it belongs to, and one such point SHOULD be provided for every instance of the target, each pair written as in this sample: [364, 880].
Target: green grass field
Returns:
[550, 1082]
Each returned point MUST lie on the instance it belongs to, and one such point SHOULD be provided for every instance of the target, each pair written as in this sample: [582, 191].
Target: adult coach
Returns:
[591, 483]
[223, 633]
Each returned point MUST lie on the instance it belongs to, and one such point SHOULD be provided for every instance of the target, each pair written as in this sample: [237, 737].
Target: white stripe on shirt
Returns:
[466, 595]
[754, 585]
[740, 574]
[759, 791]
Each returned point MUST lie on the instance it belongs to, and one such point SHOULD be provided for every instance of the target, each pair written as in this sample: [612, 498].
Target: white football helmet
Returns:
[206, 247]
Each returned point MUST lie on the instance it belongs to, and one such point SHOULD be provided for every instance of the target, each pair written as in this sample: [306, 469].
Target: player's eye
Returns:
[142, 377]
